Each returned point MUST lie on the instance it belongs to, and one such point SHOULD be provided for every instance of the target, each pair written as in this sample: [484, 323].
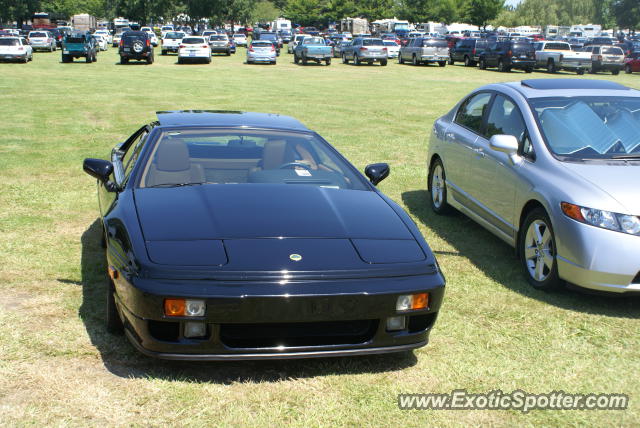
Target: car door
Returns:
[494, 175]
[490, 54]
[460, 140]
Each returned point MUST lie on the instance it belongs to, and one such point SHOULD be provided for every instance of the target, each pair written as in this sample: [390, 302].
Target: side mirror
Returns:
[376, 172]
[507, 144]
[98, 168]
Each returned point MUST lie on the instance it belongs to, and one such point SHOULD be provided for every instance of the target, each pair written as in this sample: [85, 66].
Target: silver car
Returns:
[261, 51]
[425, 51]
[551, 167]
[365, 50]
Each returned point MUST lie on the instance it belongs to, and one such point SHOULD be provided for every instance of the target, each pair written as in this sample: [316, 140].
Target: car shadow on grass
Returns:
[498, 261]
[121, 359]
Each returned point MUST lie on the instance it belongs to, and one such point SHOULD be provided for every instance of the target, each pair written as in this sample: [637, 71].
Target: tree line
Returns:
[608, 13]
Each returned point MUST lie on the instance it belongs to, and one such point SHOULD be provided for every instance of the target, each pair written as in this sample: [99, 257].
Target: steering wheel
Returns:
[295, 164]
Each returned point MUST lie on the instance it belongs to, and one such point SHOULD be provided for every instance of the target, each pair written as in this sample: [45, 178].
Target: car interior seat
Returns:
[172, 165]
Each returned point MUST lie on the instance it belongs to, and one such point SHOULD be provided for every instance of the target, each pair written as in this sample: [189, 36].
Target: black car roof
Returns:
[228, 118]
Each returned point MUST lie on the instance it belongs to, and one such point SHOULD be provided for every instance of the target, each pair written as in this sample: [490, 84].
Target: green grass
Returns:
[58, 366]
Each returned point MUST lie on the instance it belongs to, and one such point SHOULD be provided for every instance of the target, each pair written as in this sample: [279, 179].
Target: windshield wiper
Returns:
[627, 156]
[195, 183]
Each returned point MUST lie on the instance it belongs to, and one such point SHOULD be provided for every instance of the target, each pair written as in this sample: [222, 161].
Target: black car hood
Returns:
[244, 211]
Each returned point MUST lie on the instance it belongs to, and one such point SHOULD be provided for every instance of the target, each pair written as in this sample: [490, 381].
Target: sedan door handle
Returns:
[479, 153]
[450, 136]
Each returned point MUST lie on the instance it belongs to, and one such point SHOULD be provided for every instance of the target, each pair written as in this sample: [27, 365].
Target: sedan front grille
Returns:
[272, 335]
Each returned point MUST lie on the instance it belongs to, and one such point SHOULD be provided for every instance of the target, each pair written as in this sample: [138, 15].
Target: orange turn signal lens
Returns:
[572, 211]
[420, 301]
[174, 307]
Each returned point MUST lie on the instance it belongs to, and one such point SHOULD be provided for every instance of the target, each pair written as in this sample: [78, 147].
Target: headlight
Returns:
[604, 219]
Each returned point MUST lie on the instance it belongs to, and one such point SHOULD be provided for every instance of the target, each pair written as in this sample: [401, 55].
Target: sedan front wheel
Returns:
[538, 251]
[438, 188]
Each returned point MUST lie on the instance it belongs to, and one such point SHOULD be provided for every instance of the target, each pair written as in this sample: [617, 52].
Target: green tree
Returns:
[480, 12]
[264, 11]
[627, 13]
[306, 12]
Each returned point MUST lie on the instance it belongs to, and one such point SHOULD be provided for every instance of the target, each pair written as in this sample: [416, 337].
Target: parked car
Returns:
[393, 48]
[632, 63]
[312, 49]
[605, 58]
[165, 29]
[261, 51]
[467, 51]
[285, 35]
[136, 45]
[220, 44]
[550, 166]
[554, 56]
[15, 49]
[152, 35]
[101, 42]
[365, 50]
[248, 236]
[507, 55]
[240, 39]
[79, 44]
[422, 50]
[294, 41]
[57, 36]
[42, 40]
[272, 37]
[106, 34]
[194, 48]
[171, 41]
[338, 49]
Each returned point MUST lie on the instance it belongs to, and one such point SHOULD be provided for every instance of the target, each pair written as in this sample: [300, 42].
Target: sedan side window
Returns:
[472, 111]
[505, 118]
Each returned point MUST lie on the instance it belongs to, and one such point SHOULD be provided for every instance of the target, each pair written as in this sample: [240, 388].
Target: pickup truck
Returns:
[79, 44]
[312, 49]
[554, 56]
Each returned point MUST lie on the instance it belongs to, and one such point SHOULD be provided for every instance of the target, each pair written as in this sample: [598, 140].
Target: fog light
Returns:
[195, 329]
[396, 323]
[412, 302]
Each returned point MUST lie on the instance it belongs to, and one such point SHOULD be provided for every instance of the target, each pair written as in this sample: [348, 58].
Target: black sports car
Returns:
[236, 235]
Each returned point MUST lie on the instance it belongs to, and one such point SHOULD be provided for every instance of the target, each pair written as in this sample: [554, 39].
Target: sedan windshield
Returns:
[222, 156]
[590, 127]
[9, 42]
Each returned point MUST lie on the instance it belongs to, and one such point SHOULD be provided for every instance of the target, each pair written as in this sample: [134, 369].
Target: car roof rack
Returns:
[551, 84]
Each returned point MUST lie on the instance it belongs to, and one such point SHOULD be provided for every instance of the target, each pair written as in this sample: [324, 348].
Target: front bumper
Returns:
[249, 320]
[596, 258]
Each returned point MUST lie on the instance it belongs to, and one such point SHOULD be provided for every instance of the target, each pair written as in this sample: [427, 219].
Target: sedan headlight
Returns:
[604, 219]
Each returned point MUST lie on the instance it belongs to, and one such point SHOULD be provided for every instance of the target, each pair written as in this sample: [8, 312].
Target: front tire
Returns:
[551, 66]
[344, 59]
[482, 65]
[537, 248]
[114, 323]
[414, 60]
[442, 63]
[400, 60]
[501, 67]
[356, 60]
[627, 69]
[327, 61]
[383, 62]
[438, 189]
[615, 72]
[467, 61]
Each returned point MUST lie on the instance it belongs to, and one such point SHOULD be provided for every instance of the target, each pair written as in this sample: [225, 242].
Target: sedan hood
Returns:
[616, 178]
[246, 211]
[268, 227]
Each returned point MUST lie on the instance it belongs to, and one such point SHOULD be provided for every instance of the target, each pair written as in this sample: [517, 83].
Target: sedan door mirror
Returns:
[376, 172]
[98, 168]
[507, 144]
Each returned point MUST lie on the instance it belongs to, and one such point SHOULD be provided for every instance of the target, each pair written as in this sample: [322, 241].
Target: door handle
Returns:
[450, 136]
[479, 153]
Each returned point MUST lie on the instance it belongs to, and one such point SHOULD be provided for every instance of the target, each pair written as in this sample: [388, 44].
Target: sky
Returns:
[513, 2]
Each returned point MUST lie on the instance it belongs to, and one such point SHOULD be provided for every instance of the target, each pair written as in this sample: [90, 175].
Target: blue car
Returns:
[236, 235]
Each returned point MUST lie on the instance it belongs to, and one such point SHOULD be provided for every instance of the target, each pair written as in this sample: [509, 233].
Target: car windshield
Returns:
[390, 43]
[372, 42]
[218, 38]
[38, 34]
[9, 42]
[75, 39]
[590, 127]
[233, 156]
[612, 51]
[193, 40]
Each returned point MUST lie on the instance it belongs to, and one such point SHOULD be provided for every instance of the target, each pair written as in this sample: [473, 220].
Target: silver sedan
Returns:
[551, 167]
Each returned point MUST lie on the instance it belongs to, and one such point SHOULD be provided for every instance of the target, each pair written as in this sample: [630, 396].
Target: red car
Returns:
[632, 63]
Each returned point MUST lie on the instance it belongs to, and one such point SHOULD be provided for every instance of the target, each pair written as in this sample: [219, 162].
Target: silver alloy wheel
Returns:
[437, 186]
[538, 250]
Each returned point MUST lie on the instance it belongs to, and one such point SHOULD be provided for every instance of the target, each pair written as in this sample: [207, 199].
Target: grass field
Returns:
[58, 366]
